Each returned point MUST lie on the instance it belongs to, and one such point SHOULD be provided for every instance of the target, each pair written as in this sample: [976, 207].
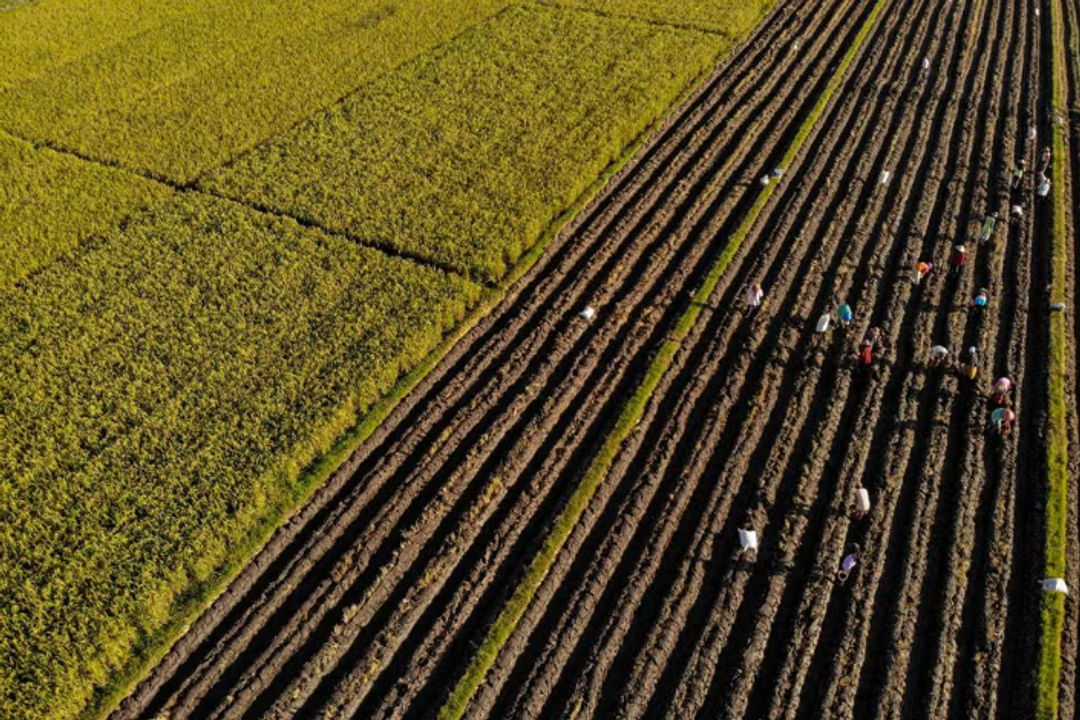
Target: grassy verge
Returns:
[508, 619]
[1053, 604]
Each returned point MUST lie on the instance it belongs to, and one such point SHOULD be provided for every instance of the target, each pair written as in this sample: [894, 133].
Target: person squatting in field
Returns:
[922, 269]
[981, 299]
[938, 355]
[754, 296]
[957, 259]
[1002, 419]
[1000, 393]
[866, 348]
[1043, 188]
[844, 315]
[848, 563]
[971, 366]
[861, 503]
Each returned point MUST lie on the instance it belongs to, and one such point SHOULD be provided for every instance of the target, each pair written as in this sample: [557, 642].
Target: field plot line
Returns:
[1053, 603]
[507, 621]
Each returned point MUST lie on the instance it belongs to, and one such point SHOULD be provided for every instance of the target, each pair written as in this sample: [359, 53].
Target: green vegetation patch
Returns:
[161, 394]
[40, 35]
[465, 156]
[1052, 610]
[49, 203]
[730, 17]
[195, 90]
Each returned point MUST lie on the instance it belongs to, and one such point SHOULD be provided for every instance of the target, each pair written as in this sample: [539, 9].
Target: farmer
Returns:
[1001, 390]
[848, 563]
[866, 348]
[754, 296]
[1018, 174]
[938, 355]
[957, 259]
[844, 315]
[1002, 420]
[861, 505]
[988, 227]
[1033, 132]
[981, 299]
[1044, 161]
[922, 269]
[971, 367]
[1044, 186]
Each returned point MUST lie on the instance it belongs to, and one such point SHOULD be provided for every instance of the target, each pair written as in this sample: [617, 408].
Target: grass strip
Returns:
[1053, 604]
[508, 619]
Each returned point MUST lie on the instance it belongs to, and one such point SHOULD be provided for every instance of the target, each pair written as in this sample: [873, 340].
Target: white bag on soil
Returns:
[748, 539]
[1055, 585]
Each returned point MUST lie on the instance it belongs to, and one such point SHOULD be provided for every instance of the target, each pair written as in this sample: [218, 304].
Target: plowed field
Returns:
[372, 601]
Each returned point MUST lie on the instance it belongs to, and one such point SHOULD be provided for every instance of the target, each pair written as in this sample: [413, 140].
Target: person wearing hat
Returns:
[922, 269]
[971, 367]
[1002, 420]
[959, 257]
[1001, 390]
[844, 315]
[1044, 186]
[1044, 160]
[938, 355]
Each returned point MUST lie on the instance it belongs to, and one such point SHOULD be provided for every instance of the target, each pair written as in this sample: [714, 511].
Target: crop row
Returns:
[49, 203]
[162, 103]
[492, 137]
[161, 394]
